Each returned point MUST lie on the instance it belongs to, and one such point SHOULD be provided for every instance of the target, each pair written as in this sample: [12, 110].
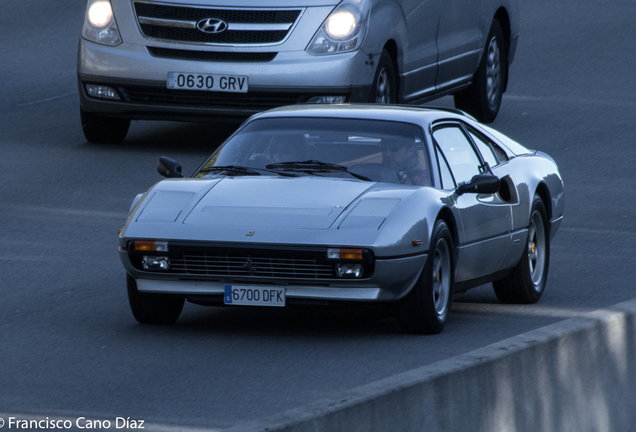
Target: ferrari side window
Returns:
[485, 150]
[489, 150]
[459, 153]
[444, 171]
[501, 155]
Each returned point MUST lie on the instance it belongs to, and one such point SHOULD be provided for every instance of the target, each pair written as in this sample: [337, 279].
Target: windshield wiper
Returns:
[241, 170]
[314, 166]
[230, 170]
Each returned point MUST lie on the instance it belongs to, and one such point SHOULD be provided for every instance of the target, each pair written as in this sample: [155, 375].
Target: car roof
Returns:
[423, 116]
[402, 113]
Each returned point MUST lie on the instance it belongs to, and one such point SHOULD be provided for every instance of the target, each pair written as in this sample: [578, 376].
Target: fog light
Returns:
[156, 263]
[349, 270]
[327, 99]
[101, 91]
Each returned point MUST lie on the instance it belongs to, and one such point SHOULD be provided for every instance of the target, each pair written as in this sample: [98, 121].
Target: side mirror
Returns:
[480, 184]
[168, 167]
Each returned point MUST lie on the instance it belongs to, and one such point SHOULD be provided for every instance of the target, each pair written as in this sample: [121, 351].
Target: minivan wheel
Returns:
[483, 97]
[384, 89]
[103, 130]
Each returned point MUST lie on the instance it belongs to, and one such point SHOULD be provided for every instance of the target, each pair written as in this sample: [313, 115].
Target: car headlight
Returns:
[341, 24]
[343, 30]
[99, 24]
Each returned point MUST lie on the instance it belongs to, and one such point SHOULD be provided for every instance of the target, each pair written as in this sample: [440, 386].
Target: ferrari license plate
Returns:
[209, 82]
[254, 296]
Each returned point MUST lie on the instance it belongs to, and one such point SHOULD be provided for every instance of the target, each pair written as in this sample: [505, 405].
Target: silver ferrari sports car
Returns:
[320, 204]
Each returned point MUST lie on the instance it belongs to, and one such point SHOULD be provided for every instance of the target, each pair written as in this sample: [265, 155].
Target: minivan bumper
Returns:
[140, 81]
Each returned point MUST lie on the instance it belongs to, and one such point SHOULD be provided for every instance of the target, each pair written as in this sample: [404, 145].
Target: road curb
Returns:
[577, 375]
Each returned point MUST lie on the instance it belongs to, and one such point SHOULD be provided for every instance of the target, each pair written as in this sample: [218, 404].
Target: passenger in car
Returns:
[403, 158]
[287, 148]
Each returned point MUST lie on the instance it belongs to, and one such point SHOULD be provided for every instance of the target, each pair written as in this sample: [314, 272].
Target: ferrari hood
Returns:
[308, 210]
[303, 202]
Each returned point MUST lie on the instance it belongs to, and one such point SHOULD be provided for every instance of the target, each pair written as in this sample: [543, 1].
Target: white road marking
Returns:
[528, 310]
[48, 99]
[619, 233]
[569, 101]
[63, 211]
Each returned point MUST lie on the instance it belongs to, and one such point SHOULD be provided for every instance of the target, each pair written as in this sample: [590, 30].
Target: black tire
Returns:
[384, 90]
[482, 98]
[103, 130]
[526, 283]
[153, 308]
[426, 307]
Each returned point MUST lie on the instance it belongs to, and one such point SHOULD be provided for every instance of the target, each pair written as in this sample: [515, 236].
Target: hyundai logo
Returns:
[212, 25]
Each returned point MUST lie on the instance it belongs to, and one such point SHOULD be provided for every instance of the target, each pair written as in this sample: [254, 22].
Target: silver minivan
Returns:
[203, 60]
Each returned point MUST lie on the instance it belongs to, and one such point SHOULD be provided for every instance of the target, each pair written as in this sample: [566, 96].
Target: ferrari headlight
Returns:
[155, 263]
[343, 30]
[99, 24]
[355, 271]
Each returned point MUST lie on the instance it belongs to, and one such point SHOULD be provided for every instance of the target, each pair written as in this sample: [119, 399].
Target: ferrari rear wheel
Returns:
[150, 308]
[426, 308]
[527, 281]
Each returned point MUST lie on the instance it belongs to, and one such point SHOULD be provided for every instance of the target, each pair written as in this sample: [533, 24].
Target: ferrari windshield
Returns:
[383, 151]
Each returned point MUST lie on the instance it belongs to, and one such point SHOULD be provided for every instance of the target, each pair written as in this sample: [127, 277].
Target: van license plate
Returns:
[209, 82]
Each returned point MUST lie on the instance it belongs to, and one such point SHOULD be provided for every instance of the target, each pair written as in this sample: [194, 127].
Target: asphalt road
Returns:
[69, 345]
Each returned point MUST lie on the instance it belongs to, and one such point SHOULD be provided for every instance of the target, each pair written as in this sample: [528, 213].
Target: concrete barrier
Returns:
[578, 375]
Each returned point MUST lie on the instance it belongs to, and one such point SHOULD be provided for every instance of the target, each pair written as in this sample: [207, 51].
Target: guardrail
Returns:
[577, 375]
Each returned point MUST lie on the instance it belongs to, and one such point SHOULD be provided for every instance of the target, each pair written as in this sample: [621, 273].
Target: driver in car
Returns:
[286, 148]
[402, 157]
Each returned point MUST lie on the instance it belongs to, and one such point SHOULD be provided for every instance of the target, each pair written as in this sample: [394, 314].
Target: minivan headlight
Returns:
[99, 23]
[341, 24]
[343, 30]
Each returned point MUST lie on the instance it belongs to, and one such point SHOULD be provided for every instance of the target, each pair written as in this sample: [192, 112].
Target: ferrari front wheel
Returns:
[526, 282]
[151, 308]
[426, 308]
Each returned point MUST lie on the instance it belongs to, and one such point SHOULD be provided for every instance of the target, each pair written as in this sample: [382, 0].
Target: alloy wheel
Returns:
[536, 248]
[493, 72]
[383, 89]
[441, 277]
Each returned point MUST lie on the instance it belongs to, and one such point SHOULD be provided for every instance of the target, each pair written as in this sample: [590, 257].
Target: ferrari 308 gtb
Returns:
[319, 204]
